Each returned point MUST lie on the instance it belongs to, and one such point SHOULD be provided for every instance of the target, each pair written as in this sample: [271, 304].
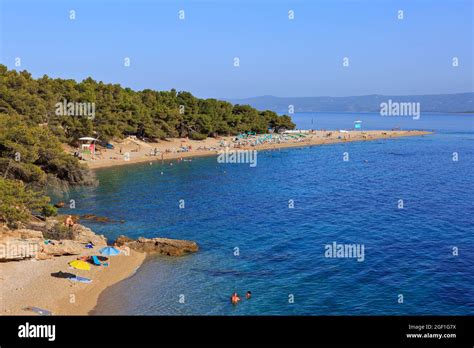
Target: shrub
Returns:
[198, 136]
[17, 202]
[59, 230]
[49, 210]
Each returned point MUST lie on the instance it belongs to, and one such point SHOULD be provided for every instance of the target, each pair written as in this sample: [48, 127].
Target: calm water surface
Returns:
[407, 251]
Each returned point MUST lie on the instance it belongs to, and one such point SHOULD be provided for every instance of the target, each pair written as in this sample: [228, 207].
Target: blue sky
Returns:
[278, 56]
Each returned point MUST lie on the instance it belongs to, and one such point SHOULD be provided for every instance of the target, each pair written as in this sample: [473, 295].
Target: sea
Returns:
[273, 229]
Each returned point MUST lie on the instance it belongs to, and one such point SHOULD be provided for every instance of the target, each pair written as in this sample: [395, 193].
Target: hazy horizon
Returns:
[243, 97]
[293, 48]
[342, 96]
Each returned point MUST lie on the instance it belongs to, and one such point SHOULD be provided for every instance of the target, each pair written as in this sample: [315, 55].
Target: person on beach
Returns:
[69, 222]
[235, 298]
[248, 295]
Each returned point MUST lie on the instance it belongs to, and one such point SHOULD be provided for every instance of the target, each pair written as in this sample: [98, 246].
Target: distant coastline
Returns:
[430, 113]
[211, 146]
[430, 103]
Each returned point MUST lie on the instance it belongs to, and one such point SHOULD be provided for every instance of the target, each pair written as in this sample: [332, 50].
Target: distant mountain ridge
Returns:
[450, 103]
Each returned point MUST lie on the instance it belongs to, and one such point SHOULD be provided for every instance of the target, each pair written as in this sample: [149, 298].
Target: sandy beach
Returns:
[29, 283]
[133, 150]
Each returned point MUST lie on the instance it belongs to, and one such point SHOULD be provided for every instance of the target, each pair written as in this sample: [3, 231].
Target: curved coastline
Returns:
[34, 285]
[112, 158]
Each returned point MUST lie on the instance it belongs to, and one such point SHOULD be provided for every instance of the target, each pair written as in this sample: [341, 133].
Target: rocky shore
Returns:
[31, 255]
[44, 240]
[162, 246]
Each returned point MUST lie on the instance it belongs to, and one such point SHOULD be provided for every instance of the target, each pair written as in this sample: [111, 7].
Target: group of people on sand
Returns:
[235, 299]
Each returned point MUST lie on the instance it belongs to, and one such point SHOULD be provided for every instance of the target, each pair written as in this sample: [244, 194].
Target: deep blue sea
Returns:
[408, 251]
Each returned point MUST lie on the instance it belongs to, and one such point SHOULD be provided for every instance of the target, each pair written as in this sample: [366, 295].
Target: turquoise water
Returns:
[281, 250]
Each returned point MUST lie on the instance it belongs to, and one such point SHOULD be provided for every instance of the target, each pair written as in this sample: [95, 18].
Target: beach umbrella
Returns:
[110, 251]
[79, 264]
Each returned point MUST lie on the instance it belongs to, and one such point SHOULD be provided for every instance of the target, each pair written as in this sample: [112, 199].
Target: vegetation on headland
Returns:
[31, 157]
[32, 131]
[17, 202]
[120, 112]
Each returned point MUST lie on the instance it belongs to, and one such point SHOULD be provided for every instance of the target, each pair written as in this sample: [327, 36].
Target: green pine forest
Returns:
[32, 134]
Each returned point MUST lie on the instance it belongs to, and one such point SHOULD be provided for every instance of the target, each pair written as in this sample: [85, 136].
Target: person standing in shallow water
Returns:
[235, 298]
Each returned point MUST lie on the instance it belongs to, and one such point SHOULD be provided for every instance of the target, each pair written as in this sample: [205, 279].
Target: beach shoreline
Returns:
[33, 284]
[139, 151]
[29, 282]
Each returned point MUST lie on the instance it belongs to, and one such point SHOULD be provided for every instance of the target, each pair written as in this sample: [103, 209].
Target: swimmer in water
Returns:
[234, 298]
[248, 295]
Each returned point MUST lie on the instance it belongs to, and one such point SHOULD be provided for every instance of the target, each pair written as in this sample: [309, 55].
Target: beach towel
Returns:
[38, 310]
[95, 260]
[81, 280]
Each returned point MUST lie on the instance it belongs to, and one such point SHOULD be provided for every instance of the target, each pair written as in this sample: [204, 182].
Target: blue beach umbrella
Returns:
[109, 251]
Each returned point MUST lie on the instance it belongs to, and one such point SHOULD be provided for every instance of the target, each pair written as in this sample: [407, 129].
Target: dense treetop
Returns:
[32, 131]
[121, 111]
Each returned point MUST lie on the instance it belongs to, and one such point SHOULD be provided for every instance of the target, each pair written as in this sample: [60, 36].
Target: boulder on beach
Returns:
[45, 239]
[85, 235]
[28, 234]
[122, 240]
[19, 244]
[54, 228]
[59, 248]
[15, 249]
[162, 246]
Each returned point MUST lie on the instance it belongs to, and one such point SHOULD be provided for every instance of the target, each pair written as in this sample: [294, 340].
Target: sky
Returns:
[277, 55]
